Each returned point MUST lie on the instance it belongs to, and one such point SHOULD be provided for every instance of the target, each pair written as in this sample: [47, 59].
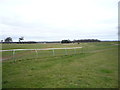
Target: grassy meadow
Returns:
[95, 65]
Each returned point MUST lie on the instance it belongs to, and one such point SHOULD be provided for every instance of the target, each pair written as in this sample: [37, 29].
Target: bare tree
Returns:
[21, 38]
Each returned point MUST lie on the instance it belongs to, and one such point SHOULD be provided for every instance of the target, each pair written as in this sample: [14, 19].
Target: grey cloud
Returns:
[19, 23]
[15, 25]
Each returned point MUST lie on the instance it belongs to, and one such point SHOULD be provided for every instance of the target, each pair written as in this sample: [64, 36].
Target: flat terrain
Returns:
[95, 65]
[36, 46]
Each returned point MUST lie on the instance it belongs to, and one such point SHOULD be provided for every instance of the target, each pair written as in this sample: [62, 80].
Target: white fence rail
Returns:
[39, 49]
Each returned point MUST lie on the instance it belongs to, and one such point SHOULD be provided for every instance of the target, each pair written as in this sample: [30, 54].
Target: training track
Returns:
[38, 49]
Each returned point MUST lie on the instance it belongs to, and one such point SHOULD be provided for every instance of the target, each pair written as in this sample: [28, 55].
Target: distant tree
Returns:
[65, 41]
[86, 40]
[21, 38]
[1, 40]
[8, 39]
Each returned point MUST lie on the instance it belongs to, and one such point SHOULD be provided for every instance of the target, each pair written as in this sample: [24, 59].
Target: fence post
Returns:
[66, 51]
[13, 54]
[53, 52]
[36, 52]
[75, 50]
[82, 50]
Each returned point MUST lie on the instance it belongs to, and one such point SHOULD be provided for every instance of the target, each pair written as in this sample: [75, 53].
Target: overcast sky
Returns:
[48, 20]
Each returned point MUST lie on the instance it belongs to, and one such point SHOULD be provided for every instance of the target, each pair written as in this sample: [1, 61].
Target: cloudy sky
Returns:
[49, 20]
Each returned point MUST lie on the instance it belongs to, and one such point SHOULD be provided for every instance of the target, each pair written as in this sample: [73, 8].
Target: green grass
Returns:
[94, 66]
[56, 45]
[35, 46]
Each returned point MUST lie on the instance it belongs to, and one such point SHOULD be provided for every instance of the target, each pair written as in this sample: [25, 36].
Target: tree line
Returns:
[81, 40]
[9, 40]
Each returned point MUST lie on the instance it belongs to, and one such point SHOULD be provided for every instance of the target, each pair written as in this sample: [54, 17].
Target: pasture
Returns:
[95, 65]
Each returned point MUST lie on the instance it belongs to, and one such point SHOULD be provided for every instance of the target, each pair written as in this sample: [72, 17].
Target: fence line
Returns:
[17, 54]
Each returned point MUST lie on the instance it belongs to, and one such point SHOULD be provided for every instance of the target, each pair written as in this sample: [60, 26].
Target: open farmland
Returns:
[95, 65]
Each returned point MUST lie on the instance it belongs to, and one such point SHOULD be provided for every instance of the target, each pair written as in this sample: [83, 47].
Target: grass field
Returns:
[95, 65]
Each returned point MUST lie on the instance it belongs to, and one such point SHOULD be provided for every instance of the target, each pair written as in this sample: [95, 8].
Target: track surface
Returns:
[39, 49]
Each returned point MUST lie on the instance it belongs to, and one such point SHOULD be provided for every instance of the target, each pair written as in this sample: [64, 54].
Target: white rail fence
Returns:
[34, 53]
